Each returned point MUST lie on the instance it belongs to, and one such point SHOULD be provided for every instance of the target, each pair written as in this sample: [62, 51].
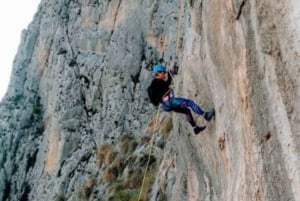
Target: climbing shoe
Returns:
[198, 129]
[209, 115]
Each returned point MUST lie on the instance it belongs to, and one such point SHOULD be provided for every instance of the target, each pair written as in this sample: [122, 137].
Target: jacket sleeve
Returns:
[169, 80]
[152, 93]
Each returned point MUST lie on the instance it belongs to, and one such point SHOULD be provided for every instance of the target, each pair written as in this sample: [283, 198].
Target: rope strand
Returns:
[149, 157]
[178, 27]
[157, 113]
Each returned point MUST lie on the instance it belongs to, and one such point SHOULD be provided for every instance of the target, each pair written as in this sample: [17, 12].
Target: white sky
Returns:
[15, 15]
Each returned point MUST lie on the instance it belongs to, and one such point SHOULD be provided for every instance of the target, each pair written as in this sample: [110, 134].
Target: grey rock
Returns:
[76, 122]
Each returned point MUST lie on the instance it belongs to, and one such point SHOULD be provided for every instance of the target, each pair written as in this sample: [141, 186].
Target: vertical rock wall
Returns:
[76, 123]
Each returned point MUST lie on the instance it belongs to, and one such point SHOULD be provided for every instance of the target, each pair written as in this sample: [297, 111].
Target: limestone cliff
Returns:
[76, 123]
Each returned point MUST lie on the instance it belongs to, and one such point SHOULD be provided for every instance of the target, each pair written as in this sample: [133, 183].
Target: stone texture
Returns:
[76, 123]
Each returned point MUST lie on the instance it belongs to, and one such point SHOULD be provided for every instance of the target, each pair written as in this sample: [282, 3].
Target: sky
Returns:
[15, 15]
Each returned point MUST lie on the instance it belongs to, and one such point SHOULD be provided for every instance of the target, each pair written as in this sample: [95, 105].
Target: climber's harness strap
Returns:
[168, 95]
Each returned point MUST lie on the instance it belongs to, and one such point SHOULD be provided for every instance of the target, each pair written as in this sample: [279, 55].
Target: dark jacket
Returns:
[158, 88]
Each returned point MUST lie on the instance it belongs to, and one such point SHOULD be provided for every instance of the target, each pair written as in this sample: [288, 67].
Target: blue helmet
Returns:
[159, 68]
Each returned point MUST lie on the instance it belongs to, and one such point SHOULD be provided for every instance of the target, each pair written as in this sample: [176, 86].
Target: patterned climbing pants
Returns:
[182, 105]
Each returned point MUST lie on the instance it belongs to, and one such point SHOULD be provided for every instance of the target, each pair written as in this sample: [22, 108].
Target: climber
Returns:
[159, 91]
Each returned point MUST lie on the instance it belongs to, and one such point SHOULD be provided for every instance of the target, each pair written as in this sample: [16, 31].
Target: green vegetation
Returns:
[123, 169]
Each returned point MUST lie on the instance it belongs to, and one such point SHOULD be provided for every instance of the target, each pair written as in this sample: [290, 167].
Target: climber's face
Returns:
[160, 75]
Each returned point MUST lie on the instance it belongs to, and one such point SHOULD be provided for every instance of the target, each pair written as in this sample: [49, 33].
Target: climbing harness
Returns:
[168, 95]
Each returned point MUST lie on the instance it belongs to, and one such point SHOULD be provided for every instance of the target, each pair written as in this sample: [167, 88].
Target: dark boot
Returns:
[198, 129]
[209, 115]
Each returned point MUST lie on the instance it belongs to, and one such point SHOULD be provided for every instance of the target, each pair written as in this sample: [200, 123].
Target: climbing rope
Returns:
[162, 41]
[178, 26]
[149, 156]
[157, 112]
[178, 35]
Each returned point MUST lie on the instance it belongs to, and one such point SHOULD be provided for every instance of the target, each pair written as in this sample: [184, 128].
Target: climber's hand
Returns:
[174, 66]
[174, 70]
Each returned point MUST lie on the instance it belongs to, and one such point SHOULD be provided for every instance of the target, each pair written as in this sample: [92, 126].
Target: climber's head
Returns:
[159, 70]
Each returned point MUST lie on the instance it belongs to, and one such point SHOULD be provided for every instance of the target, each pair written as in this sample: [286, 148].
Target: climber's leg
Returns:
[209, 115]
[184, 103]
[187, 113]
[190, 119]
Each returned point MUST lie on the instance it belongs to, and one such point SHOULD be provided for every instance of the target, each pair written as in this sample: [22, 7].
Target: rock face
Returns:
[76, 123]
